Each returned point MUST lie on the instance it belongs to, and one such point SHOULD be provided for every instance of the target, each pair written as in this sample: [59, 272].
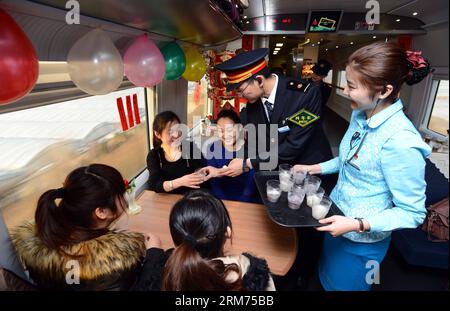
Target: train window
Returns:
[329, 78]
[437, 119]
[198, 103]
[40, 146]
[342, 82]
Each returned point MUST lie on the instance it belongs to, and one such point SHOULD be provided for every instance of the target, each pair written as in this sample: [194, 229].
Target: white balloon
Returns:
[95, 64]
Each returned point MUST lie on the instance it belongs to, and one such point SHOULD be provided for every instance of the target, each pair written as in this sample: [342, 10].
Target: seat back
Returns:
[9, 281]
[437, 184]
[8, 257]
[413, 244]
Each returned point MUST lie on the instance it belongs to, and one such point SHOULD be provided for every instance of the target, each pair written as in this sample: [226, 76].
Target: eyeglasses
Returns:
[241, 92]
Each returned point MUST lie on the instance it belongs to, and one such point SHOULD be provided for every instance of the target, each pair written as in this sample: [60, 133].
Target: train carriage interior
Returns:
[69, 115]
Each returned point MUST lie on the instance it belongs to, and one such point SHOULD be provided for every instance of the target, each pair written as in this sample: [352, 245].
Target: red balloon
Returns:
[19, 67]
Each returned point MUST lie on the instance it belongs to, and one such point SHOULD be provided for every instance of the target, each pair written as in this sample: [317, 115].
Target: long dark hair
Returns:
[382, 63]
[159, 124]
[72, 219]
[198, 225]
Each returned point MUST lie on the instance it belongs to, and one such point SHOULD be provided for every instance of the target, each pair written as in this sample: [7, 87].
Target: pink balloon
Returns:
[144, 63]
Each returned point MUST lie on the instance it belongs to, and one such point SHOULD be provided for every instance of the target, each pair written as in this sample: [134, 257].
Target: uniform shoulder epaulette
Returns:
[298, 85]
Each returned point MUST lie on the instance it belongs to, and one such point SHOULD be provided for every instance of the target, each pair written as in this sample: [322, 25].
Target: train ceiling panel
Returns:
[426, 8]
[195, 21]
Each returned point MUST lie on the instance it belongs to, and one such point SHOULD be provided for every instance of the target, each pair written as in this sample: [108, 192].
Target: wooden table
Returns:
[253, 231]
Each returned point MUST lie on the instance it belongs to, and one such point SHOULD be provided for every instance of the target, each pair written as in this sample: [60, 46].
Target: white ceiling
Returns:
[427, 9]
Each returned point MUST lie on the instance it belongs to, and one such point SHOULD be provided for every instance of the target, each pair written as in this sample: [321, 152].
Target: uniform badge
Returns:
[298, 86]
[303, 118]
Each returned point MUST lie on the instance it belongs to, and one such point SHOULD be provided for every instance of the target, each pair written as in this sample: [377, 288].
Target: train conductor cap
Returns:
[244, 66]
[322, 68]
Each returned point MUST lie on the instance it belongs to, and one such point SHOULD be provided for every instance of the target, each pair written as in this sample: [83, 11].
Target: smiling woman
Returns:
[40, 145]
[172, 163]
[368, 192]
[71, 230]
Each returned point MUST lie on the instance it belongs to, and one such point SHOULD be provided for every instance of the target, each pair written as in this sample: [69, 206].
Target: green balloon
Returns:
[175, 61]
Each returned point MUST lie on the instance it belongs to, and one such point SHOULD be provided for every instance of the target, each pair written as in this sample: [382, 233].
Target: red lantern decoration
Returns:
[19, 65]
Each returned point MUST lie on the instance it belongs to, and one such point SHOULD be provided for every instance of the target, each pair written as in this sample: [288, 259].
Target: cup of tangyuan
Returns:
[273, 190]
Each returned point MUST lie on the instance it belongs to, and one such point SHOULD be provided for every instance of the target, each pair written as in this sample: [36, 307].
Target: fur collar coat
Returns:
[109, 262]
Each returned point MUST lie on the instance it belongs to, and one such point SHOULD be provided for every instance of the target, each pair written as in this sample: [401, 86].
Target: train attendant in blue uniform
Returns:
[295, 108]
[381, 167]
[320, 72]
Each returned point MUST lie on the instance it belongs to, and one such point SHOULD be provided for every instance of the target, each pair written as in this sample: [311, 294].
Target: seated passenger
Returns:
[200, 226]
[171, 168]
[220, 154]
[70, 245]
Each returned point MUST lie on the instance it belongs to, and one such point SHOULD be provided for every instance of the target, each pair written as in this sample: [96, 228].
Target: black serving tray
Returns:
[280, 212]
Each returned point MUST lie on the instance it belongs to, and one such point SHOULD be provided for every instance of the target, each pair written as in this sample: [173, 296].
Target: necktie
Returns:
[269, 107]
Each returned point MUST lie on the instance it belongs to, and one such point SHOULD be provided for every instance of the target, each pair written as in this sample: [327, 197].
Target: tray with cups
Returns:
[294, 199]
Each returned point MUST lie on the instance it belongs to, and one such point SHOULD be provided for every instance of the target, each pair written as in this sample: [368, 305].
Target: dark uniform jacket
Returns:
[325, 91]
[301, 144]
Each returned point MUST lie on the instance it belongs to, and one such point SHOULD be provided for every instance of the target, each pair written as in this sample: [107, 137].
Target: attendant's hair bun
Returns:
[419, 67]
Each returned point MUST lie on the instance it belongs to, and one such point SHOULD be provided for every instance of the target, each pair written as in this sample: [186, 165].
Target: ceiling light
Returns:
[245, 16]
[277, 49]
[312, 44]
[279, 44]
[415, 13]
[326, 49]
[374, 37]
[351, 43]
[397, 20]
[247, 22]
[337, 46]
[318, 42]
[284, 37]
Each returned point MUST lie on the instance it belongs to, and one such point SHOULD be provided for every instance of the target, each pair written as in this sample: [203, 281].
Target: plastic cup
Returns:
[319, 211]
[313, 198]
[295, 197]
[273, 190]
[200, 172]
[299, 177]
[285, 176]
[312, 183]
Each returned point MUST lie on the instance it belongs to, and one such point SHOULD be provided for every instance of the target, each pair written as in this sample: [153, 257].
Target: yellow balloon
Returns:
[195, 65]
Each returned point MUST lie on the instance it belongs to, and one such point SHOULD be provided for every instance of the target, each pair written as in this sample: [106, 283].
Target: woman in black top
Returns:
[200, 225]
[171, 168]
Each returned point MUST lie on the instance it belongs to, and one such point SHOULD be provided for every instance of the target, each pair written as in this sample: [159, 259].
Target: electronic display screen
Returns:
[324, 21]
